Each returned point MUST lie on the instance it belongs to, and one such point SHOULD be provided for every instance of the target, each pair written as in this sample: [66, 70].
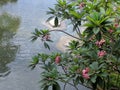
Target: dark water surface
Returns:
[16, 48]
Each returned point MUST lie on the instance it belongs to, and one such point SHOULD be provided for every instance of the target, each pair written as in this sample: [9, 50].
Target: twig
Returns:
[66, 33]
[64, 86]
[64, 69]
[75, 85]
[85, 86]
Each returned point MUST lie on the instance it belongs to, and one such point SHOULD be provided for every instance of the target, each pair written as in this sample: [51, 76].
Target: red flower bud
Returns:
[57, 59]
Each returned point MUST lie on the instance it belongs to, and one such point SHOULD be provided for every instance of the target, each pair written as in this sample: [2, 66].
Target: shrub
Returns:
[93, 59]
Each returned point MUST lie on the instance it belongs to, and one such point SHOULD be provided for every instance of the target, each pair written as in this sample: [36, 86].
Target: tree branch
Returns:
[66, 33]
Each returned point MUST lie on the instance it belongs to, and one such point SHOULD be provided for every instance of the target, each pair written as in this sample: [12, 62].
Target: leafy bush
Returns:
[93, 59]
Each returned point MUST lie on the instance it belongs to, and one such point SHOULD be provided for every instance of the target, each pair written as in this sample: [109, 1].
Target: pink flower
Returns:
[116, 25]
[110, 31]
[101, 53]
[87, 69]
[50, 79]
[97, 43]
[111, 40]
[86, 76]
[85, 73]
[57, 59]
[100, 43]
[46, 37]
[81, 5]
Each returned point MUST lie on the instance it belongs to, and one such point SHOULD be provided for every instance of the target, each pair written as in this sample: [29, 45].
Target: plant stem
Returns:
[66, 82]
[85, 86]
[75, 85]
[64, 69]
[66, 33]
[64, 86]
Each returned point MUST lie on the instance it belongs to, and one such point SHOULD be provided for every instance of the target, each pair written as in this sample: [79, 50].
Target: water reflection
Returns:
[3, 2]
[7, 54]
[8, 28]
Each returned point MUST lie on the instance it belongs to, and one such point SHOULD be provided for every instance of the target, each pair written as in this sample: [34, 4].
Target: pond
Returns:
[18, 19]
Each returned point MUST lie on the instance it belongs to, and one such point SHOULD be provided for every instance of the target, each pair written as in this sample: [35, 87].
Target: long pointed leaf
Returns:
[56, 86]
[56, 21]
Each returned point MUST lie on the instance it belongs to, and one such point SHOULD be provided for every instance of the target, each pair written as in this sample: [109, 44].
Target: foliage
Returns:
[92, 60]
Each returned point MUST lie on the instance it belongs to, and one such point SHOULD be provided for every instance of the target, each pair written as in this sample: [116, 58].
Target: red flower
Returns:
[57, 59]
[85, 73]
[101, 53]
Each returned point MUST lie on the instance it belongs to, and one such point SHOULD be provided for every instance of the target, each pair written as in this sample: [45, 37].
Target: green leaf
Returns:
[96, 30]
[43, 56]
[93, 79]
[75, 14]
[56, 21]
[34, 62]
[61, 2]
[91, 19]
[46, 45]
[46, 88]
[33, 38]
[104, 74]
[98, 36]
[102, 10]
[100, 81]
[56, 86]
[118, 31]
[81, 79]
[49, 18]
[96, 16]
[108, 11]
[94, 65]
[104, 19]
[52, 11]
[76, 82]
[89, 24]
[102, 65]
